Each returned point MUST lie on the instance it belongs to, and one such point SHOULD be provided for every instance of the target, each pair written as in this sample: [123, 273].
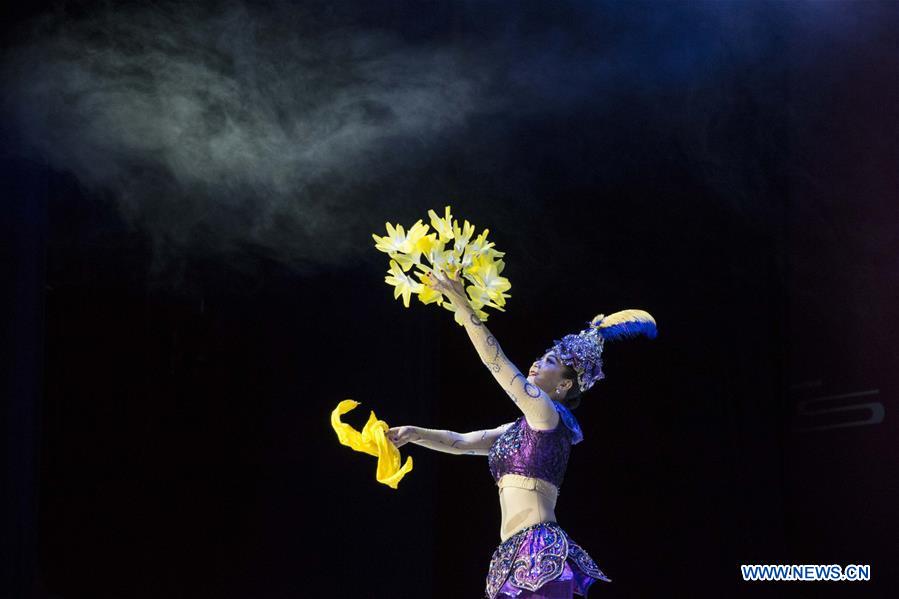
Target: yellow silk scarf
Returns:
[373, 441]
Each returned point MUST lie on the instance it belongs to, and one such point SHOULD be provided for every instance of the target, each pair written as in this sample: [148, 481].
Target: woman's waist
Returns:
[537, 486]
[523, 507]
[550, 474]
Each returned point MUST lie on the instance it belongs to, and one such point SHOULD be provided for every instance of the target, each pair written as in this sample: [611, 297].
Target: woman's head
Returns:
[556, 379]
[573, 364]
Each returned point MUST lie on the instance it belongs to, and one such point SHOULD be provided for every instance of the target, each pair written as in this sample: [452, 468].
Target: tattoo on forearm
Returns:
[457, 438]
[434, 440]
[493, 364]
[474, 319]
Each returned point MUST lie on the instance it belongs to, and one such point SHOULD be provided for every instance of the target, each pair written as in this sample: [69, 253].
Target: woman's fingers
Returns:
[432, 280]
[394, 433]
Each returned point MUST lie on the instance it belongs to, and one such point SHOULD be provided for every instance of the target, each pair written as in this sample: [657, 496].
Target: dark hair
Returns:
[572, 397]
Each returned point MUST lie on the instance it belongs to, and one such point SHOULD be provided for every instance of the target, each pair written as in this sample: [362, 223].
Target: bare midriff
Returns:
[525, 501]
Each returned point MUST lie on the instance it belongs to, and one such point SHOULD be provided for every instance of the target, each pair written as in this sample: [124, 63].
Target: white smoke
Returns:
[234, 126]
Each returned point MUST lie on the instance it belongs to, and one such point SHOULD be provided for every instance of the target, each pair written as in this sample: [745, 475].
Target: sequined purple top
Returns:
[538, 454]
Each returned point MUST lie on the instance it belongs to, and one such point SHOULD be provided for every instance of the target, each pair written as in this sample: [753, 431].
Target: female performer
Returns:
[528, 457]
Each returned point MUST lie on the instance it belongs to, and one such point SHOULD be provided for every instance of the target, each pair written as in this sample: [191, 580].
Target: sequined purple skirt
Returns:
[538, 555]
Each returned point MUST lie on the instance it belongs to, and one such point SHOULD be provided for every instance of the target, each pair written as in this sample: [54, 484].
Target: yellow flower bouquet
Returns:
[474, 258]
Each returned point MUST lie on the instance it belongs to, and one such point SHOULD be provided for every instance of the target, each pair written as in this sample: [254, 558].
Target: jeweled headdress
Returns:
[583, 351]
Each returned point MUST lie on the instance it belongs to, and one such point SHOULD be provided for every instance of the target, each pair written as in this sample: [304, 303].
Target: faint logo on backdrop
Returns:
[842, 410]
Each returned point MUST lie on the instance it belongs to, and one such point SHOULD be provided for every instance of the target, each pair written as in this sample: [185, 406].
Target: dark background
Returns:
[168, 395]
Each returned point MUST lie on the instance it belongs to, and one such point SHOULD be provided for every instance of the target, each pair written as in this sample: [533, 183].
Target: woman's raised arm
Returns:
[533, 402]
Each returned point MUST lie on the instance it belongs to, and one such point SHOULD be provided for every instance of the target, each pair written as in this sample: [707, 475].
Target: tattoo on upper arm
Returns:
[530, 388]
[493, 364]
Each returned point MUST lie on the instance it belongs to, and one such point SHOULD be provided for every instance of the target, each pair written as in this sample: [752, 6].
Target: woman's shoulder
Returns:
[570, 422]
[545, 427]
[567, 423]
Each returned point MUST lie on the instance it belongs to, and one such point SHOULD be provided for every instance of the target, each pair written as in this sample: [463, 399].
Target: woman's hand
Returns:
[453, 289]
[400, 435]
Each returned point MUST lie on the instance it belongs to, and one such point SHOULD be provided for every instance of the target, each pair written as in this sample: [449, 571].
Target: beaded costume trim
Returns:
[530, 572]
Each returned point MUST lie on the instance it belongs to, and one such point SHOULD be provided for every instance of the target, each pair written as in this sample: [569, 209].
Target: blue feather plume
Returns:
[626, 323]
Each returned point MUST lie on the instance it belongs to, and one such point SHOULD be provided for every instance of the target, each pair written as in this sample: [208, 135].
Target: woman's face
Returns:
[546, 373]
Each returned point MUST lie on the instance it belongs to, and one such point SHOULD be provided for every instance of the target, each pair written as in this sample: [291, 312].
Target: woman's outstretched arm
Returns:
[533, 402]
[473, 443]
